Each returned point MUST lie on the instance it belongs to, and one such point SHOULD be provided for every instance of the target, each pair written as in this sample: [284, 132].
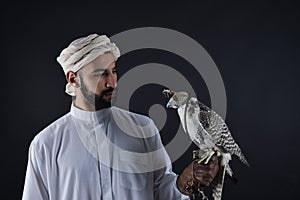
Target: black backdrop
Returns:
[255, 45]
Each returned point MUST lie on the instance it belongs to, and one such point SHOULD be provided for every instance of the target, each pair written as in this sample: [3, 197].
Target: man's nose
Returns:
[111, 81]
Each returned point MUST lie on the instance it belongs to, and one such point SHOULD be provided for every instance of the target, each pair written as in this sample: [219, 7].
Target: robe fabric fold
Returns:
[91, 156]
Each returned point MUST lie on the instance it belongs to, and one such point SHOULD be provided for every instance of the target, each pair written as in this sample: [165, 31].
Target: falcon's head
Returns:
[177, 98]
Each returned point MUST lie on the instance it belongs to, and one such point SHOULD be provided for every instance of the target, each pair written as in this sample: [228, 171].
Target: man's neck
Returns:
[84, 105]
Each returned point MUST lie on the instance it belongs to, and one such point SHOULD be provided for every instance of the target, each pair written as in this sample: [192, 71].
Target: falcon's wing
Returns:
[219, 131]
[194, 128]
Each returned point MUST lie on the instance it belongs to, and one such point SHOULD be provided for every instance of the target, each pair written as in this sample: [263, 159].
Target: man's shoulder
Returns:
[53, 131]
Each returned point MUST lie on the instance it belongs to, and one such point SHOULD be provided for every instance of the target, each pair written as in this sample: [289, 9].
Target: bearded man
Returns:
[98, 151]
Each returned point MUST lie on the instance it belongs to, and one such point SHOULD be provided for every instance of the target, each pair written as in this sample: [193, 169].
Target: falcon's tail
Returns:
[230, 173]
[243, 159]
[238, 152]
[217, 184]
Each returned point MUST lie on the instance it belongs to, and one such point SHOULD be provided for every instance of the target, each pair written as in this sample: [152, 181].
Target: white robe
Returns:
[108, 154]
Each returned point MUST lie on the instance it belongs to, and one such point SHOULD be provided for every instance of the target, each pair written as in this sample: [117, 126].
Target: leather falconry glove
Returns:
[196, 176]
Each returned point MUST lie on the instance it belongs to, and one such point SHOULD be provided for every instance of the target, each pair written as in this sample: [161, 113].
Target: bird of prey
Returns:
[209, 132]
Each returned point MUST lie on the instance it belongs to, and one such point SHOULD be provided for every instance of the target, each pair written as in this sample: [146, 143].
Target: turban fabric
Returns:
[82, 51]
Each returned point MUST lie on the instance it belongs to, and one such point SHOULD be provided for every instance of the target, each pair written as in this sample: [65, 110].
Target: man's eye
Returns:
[114, 71]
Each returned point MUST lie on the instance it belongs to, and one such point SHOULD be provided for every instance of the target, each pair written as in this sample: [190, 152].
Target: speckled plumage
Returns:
[209, 132]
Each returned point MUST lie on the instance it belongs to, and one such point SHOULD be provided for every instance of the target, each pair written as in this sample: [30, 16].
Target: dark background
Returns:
[255, 45]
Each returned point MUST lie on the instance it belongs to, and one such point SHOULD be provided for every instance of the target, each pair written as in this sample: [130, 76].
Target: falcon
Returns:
[209, 132]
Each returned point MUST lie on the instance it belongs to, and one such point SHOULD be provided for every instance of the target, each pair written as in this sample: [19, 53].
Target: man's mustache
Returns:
[107, 91]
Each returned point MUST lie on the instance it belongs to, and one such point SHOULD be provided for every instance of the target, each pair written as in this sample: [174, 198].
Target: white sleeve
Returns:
[34, 187]
[165, 185]
[164, 178]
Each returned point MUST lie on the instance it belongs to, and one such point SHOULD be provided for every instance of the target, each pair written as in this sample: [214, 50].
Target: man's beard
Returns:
[95, 100]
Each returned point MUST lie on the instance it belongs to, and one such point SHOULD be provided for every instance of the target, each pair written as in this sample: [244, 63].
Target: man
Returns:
[98, 151]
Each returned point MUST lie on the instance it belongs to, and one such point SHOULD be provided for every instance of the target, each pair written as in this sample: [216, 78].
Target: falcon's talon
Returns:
[206, 156]
[209, 157]
[218, 153]
[202, 157]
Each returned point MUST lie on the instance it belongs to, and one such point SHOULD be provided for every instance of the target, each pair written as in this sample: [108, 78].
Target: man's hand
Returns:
[197, 175]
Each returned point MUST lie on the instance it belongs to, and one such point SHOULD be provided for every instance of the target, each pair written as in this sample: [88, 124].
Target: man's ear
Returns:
[73, 79]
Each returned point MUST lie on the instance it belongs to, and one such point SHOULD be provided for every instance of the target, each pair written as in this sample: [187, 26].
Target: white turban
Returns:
[82, 51]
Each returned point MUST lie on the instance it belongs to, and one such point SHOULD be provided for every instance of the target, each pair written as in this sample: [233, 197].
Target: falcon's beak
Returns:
[168, 93]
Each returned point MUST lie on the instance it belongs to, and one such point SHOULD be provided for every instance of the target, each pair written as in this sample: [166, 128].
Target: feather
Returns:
[210, 133]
